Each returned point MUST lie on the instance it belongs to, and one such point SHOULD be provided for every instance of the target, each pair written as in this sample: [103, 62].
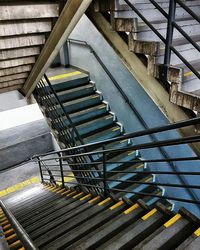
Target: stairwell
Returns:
[94, 122]
[128, 17]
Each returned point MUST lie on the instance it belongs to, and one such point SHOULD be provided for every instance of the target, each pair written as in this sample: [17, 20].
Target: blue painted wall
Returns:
[81, 57]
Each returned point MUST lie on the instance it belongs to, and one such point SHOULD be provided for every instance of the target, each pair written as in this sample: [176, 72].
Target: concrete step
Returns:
[85, 115]
[19, 10]
[153, 14]
[21, 27]
[22, 41]
[104, 135]
[75, 93]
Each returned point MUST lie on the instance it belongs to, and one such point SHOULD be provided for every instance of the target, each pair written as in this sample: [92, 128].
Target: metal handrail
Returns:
[19, 230]
[104, 160]
[159, 129]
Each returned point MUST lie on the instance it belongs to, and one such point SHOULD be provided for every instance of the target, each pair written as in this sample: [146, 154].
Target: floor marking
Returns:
[197, 232]
[116, 205]
[172, 220]
[104, 201]
[149, 214]
[19, 186]
[130, 209]
[57, 77]
[70, 177]
[188, 73]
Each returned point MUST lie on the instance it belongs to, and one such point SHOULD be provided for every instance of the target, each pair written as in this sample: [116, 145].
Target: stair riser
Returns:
[152, 14]
[106, 136]
[70, 84]
[151, 36]
[86, 116]
[81, 105]
[76, 94]
[189, 55]
[83, 130]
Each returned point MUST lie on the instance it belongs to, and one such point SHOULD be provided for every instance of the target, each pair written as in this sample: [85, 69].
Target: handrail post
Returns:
[61, 170]
[169, 38]
[40, 167]
[104, 172]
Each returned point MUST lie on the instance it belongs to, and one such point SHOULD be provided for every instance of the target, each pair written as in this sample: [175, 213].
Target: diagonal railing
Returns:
[48, 99]
[128, 186]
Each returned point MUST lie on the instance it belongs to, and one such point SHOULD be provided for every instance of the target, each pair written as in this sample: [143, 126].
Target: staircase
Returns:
[24, 29]
[56, 218]
[128, 18]
[93, 120]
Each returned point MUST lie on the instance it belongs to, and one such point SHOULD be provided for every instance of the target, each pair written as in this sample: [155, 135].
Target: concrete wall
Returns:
[146, 109]
[19, 143]
[10, 100]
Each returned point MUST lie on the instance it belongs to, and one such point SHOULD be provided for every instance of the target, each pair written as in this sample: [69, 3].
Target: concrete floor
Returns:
[19, 174]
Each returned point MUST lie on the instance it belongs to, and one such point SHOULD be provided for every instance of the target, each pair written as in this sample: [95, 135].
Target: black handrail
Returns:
[159, 129]
[19, 230]
[104, 160]
[63, 109]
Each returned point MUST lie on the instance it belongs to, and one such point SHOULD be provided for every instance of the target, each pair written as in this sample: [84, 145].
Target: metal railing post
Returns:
[61, 170]
[40, 167]
[169, 38]
[104, 172]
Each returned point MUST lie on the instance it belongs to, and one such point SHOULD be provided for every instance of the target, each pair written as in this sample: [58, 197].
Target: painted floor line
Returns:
[57, 77]
[19, 186]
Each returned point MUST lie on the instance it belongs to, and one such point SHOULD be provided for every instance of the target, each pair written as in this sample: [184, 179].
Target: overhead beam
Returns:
[139, 71]
[69, 17]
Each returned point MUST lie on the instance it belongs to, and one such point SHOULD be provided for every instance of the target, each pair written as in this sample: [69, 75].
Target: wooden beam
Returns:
[71, 14]
[138, 70]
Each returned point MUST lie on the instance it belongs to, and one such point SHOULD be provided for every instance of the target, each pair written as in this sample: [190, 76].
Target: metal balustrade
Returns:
[59, 161]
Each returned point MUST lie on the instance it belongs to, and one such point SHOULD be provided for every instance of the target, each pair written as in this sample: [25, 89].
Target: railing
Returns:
[21, 233]
[103, 154]
[48, 99]
[129, 103]
[168, 39]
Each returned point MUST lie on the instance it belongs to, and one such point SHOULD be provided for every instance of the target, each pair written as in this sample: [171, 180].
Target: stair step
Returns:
[68, 95]
[102, 234]
[56, 214]
[171, 234]
[81, 103]
[125, 176]
[152, 14]
[104, 135]
[37, 234]
[20, 10]
[88, 226]
[55, 234]
[136, 232]
[68, 82]
[95, 125]
[86, 114]
[191, 242]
